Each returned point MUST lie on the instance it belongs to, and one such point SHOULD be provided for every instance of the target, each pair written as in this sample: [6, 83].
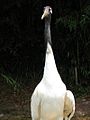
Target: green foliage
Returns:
[85, 72]
[69, 22]
[80, 91]
[10, 81]
[85, 16]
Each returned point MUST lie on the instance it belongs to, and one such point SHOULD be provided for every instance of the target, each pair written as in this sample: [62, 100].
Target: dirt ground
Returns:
[82, 108]
[15, 106]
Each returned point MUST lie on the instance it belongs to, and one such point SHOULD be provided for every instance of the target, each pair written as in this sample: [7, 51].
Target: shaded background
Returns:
[22, 46]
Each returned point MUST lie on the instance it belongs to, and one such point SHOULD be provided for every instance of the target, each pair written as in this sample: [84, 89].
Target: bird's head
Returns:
[47, 12]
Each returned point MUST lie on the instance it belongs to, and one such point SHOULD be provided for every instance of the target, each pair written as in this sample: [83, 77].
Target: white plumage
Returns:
[69, 105]
[47, 101]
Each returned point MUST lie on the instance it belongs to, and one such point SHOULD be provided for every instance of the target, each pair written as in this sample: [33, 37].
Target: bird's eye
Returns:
[50, 10]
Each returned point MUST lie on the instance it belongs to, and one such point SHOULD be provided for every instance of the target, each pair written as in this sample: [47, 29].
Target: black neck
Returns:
[47, 30]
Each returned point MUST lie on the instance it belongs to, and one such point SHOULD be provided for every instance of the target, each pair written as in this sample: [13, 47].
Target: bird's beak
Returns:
[44, 15]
